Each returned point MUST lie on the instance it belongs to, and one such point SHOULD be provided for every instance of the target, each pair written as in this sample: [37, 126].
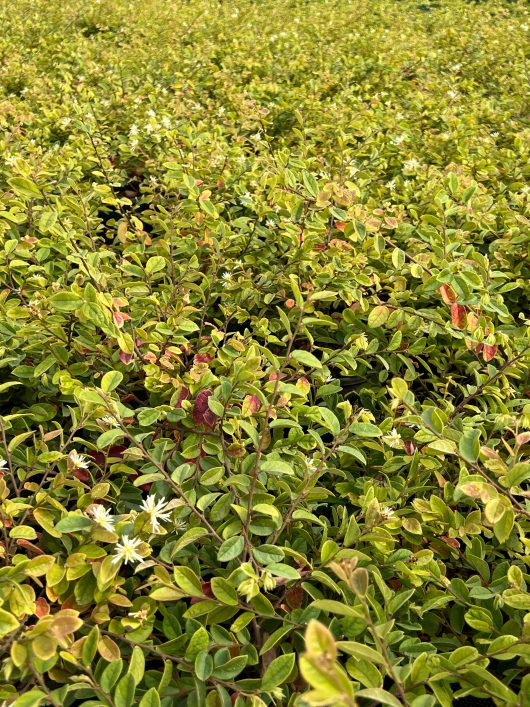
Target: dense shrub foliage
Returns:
[264, 357]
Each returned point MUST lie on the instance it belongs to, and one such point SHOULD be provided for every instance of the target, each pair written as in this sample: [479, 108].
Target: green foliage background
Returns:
[266, 265]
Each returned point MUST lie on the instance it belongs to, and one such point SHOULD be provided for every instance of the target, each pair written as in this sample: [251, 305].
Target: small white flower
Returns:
[3, 464]
[386, 512]
[109, 421]
[393, 439]
[179, 525]
[133, 130]
[270, 223]
[149, 129]
[227, 279]
[126, 550]
[102, 517]
[452, 93]
[166, 122]
[411, 165]
[330, 378]
[311, 464]
[391, 184]
[155, 511]
[399, 139]
[256, 136]
[134, 143]
[151, 113]
[141, 614]
[10, 160]
[221, 110]
[78, 461]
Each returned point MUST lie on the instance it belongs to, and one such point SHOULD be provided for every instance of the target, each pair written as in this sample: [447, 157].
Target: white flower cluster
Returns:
[127, 549]
[393, 439]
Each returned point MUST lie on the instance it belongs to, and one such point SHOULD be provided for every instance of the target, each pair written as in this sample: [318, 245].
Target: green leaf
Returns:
[224, 591]
[274, 638]
[278, 671]
[110, 675]
[378, 316]
[518, 473]
[137, 665]
[231, 668]
[198, 643]
[150, 699]
[231, 548]
[124, 692]
[189, 537]
[330, 420]
[25, 187]
[469, 445]
[361, 652]
[306, 358]
[155, 264]
[25, 532]
[73, 523]
[365, 429]
[8, 623]
[111, 380]
[32, 698]
[188, 581]
[380, 696]
[203, 665]
[66, 301]
[479, 619]
[90, 646]
[107, 438]
[503, 526]
[276, 467]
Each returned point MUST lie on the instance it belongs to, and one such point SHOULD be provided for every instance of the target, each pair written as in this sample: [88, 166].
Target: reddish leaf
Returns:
[34, 549]
[409, 447]
[114, 452]
[448, 294]
[489, 351]
[81, 474]
[120, 318]
[251, 405]
[202, 415]
[125, 357]
[458, 315]
[294, 597]
[207, 589]
[202, 358]
[453, 542]
[42, 608]
[183, 395]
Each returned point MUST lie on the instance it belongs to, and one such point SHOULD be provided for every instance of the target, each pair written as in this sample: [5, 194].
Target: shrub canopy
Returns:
[264, 357]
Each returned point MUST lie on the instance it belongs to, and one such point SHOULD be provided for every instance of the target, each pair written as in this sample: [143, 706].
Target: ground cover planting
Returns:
[264, 353]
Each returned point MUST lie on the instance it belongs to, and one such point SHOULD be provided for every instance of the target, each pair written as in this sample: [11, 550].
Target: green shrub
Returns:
[265, 353]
